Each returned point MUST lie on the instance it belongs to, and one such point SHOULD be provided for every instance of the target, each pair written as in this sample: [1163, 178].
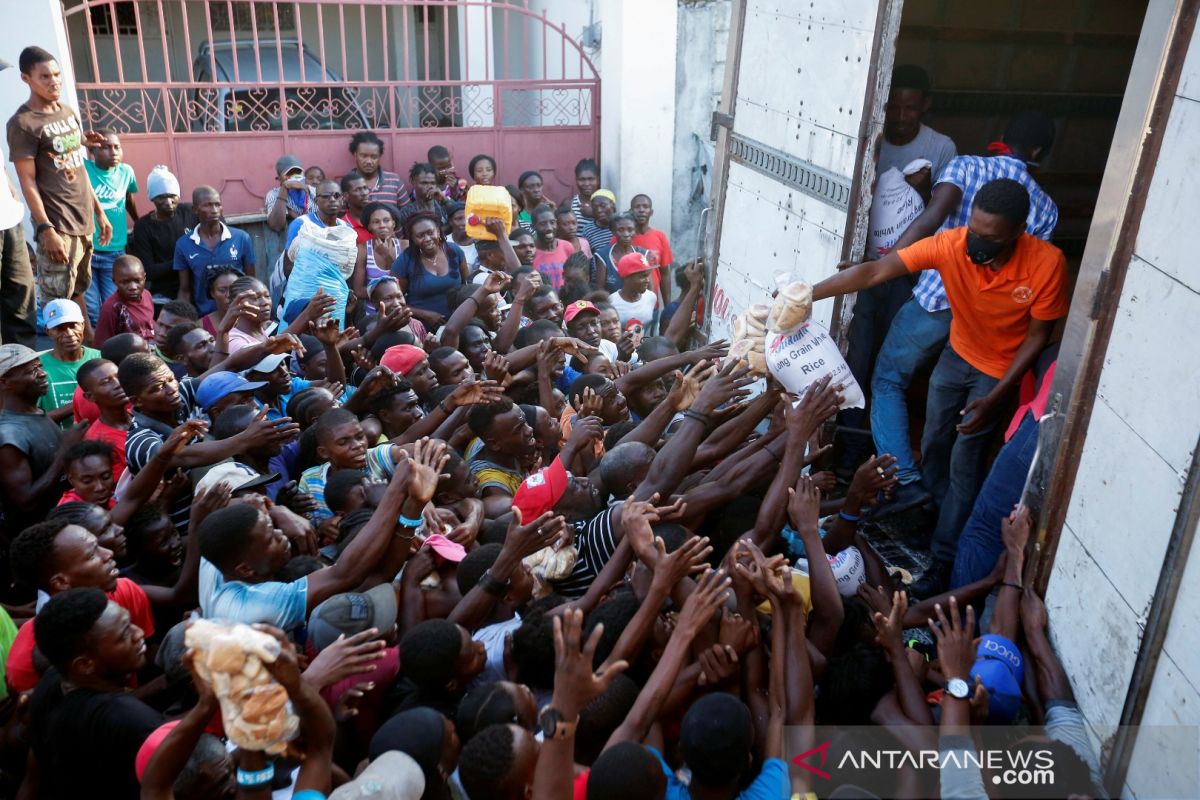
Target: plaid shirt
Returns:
[970, 173]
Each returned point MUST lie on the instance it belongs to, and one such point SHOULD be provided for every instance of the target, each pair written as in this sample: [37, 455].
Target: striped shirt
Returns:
[380, 465]
[147, 435]
[970, 173]
[595, 235]
[390, 189]
[596, 543]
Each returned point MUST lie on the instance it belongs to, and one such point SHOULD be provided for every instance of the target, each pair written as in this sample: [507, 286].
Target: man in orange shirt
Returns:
[1006, 290]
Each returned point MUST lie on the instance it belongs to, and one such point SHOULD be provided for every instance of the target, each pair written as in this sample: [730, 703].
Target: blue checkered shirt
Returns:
[970, 173]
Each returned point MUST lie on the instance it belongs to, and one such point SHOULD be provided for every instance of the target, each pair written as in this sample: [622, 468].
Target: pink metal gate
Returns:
[218, 89]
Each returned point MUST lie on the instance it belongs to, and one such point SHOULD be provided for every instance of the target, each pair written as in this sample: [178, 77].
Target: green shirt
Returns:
[8, 632]
[112, 186]
[62, 381]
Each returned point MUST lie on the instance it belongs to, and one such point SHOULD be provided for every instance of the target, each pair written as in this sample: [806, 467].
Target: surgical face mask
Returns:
[982, 251]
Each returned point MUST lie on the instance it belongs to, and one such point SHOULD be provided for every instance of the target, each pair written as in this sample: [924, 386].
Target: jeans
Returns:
[874, 310]
[979, 545]
[952, 463]
[915, 339]
[18, 306]
[102, 286]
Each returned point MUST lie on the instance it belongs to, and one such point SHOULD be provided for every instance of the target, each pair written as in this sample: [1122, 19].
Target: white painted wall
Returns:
[1135, 459]
[637, 124]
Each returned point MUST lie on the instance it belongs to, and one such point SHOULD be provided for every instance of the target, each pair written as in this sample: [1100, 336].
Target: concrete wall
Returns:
[1138, 450]
[637, 123]
[700, 69]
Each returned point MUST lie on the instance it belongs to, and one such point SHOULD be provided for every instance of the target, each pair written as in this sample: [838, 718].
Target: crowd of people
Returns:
[516, 532]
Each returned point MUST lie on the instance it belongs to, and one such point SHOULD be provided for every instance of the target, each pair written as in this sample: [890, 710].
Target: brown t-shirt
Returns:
[54, 140]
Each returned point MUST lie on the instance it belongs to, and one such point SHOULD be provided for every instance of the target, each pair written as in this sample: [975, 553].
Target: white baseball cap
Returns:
[60, 312]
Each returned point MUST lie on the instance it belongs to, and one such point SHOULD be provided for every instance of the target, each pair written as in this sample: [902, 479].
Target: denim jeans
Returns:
[102, 285]
[979, 545]
[916, 338]
[952, 463]
[874, 310]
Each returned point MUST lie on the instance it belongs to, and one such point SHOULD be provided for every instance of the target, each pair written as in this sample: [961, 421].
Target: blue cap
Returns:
[220, 384]
[998, 664]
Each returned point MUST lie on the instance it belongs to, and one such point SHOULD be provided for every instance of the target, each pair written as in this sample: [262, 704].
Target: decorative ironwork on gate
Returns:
[174, 72]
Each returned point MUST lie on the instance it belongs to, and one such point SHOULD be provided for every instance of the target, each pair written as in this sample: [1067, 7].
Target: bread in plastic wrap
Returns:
[791, 308]
[254, 707]
[549, 565]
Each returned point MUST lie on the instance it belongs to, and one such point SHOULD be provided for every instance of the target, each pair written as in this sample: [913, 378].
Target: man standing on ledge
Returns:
[1006, 289]
[45, 143]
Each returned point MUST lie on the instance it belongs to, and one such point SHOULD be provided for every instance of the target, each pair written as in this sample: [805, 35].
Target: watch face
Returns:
[957, 687]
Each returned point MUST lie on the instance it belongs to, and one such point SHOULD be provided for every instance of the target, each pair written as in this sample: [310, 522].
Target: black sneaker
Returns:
[904, 497]
[935, 581]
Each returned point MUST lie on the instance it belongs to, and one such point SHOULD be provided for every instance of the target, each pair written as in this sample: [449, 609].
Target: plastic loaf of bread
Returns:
[254, 707]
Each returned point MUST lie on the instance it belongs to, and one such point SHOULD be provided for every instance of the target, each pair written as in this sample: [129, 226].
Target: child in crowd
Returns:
[551, 253]
[115, 184]
[130, 309]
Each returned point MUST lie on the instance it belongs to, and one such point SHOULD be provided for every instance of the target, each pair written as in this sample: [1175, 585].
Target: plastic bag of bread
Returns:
[254, 707]
[791, 308]
[549, 564]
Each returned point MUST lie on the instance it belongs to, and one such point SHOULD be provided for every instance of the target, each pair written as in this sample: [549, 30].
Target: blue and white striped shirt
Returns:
[970, 173]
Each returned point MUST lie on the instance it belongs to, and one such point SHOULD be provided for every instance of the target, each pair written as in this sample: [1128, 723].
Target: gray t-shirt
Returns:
[928, 143]
[37, 437]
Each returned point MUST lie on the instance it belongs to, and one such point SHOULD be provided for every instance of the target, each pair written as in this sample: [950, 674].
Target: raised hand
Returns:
[819, 403]
[731, 382]
[876, 474]
[573, 346]
[694, 272]
[737, 632]
[576, 683]
[713, 351]
[182, 436]
[496, 282]
[206, 501]
[804, 505]
[496, 227]
[718, 664]
[626, 344]
[426, 463]
[525, 540]
[497, 368]
[284, 343]
[589, 404]
[955, 639]
[362, 357]
[712, 590]
[689, 558]
[347, 704]
[527, 284]
[325, 330]
[889, 628]
[475, 393]
[584, 431]
[377, 380]
[637, 517]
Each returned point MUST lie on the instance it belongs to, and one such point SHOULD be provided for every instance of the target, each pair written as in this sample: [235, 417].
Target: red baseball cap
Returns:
[573, 310]
[402, 358]
[632, 264]
[150, 747]
[538, 493]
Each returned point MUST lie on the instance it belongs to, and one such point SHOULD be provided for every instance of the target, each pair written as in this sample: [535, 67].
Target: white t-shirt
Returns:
[641, 309]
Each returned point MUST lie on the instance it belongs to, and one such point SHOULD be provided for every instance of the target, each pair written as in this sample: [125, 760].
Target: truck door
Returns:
[800, 114]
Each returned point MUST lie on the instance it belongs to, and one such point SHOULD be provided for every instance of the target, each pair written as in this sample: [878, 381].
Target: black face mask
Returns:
[982, 251]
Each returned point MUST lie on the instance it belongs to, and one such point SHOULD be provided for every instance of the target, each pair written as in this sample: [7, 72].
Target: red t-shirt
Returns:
[114, 436]
[72, 496]
[120, 316]
[19, 671]
[84, 408]
[658, 253]
[364, 235]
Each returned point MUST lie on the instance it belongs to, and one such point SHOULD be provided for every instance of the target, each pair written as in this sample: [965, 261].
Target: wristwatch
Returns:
[957, 688]
[554, 726]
